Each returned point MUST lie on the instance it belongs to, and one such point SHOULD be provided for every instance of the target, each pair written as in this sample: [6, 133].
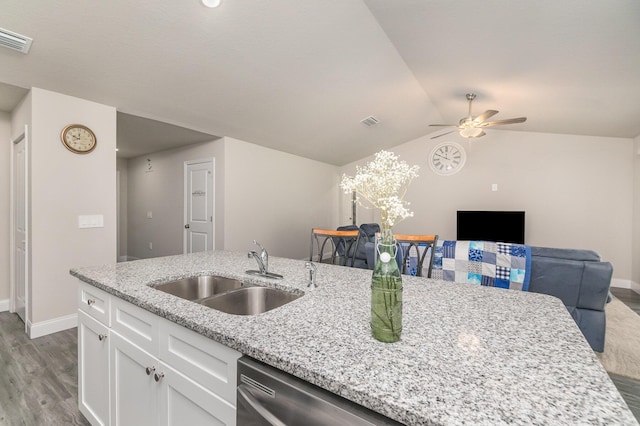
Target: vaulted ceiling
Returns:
[299, 75]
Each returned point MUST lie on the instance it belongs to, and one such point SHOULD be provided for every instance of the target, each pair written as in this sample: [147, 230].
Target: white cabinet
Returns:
[212, 365]
[93, 369]
[150, 371]
[133, 389]
[95, 303]
[184, 402]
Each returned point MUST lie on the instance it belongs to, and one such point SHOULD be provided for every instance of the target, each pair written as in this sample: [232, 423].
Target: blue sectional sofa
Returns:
[580, 280]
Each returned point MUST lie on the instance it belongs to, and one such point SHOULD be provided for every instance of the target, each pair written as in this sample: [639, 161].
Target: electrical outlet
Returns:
[150, 246]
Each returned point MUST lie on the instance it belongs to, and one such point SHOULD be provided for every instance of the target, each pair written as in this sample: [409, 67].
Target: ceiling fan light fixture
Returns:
[470, 132]
[211, 3]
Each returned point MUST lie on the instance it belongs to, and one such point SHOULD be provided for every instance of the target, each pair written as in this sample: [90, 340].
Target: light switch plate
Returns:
[91, 221]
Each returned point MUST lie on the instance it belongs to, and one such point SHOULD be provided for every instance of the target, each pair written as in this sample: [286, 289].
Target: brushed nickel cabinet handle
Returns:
[150, 370]
[91, 301]
[158, 376]
[101, 337]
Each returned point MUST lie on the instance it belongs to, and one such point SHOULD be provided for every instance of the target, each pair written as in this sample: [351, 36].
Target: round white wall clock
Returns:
[447, 158]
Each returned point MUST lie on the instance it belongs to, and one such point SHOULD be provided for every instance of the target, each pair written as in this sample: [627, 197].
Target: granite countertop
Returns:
[468, 354]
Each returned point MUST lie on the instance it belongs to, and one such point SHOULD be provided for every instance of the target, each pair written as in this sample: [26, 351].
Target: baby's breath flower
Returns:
[383, 183]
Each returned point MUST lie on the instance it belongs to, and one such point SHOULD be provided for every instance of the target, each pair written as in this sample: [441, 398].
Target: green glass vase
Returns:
[386, 292]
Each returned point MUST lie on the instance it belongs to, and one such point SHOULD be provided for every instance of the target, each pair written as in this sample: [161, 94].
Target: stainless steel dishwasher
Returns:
[267, 396]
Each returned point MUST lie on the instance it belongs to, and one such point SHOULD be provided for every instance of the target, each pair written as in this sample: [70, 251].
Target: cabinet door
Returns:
[93, 370]
[133, 388]
[184, 402]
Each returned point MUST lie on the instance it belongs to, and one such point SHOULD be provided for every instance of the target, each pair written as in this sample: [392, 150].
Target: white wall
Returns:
[577, 191]
[63, 186]
[160, 190]
[635, 278]
[263, 194]
[5, 188]
[276, 198]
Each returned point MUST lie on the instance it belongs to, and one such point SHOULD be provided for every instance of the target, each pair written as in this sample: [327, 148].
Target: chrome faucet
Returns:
[261, 265]
[264, 256]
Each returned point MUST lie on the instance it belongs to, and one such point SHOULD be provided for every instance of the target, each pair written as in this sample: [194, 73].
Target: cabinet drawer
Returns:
[209, 363]
[135, 324]
[94, 302]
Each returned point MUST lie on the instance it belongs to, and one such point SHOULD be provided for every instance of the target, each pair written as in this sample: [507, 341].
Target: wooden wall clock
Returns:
[78, 139]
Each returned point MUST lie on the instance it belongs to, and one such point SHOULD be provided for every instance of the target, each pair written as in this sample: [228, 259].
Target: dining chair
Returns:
[421, 246]
[342, 245]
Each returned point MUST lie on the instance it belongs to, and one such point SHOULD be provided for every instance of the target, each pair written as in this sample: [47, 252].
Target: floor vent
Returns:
[369, 121]
[15, 41]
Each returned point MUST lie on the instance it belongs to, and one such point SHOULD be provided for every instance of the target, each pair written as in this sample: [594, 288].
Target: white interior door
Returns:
[19, 273]
[198, 201]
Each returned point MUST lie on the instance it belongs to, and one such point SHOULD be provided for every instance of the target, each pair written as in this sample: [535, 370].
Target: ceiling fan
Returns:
[472, 127]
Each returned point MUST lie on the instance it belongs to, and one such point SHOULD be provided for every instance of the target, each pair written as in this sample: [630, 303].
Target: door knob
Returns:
[187, 226]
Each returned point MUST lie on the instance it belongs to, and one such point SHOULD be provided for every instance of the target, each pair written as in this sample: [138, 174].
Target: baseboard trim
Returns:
[628, 284]
[51, 326]
[620, 283]
[4, 305]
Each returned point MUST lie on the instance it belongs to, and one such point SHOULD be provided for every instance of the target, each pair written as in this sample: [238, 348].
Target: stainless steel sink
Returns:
[194, 288]
[250, 300]
[227, 294]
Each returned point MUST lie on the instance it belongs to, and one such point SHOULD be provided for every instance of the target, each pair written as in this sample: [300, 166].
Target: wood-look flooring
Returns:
[38, 378]
[39, 385]
[628, 388]
[628, 297]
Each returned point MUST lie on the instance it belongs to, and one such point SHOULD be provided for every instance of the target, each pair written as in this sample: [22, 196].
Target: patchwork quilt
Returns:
[502, 265]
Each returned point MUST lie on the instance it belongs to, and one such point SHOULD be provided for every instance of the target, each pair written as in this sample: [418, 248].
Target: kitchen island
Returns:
[468, 354]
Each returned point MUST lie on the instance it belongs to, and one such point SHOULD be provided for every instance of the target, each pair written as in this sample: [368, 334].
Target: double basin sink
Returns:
[227, 294]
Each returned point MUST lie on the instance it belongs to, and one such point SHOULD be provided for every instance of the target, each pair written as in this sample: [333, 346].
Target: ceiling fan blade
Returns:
[446, 133]
[444, 125]
[501, 122]
[485, 115]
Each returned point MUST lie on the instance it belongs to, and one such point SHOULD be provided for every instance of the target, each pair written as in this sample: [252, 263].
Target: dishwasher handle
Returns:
[249, 401]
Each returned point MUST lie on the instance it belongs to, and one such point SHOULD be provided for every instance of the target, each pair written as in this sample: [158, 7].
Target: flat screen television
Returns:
[497, 226]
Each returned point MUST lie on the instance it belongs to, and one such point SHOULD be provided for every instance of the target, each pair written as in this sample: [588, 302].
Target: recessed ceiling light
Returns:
[211, 3]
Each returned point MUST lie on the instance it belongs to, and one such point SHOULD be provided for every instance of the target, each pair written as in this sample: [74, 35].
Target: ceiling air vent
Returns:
[369, 121]
[15, 41]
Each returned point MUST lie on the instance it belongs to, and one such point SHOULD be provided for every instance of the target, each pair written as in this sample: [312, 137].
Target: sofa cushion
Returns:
[583, 284]
[569, 254]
